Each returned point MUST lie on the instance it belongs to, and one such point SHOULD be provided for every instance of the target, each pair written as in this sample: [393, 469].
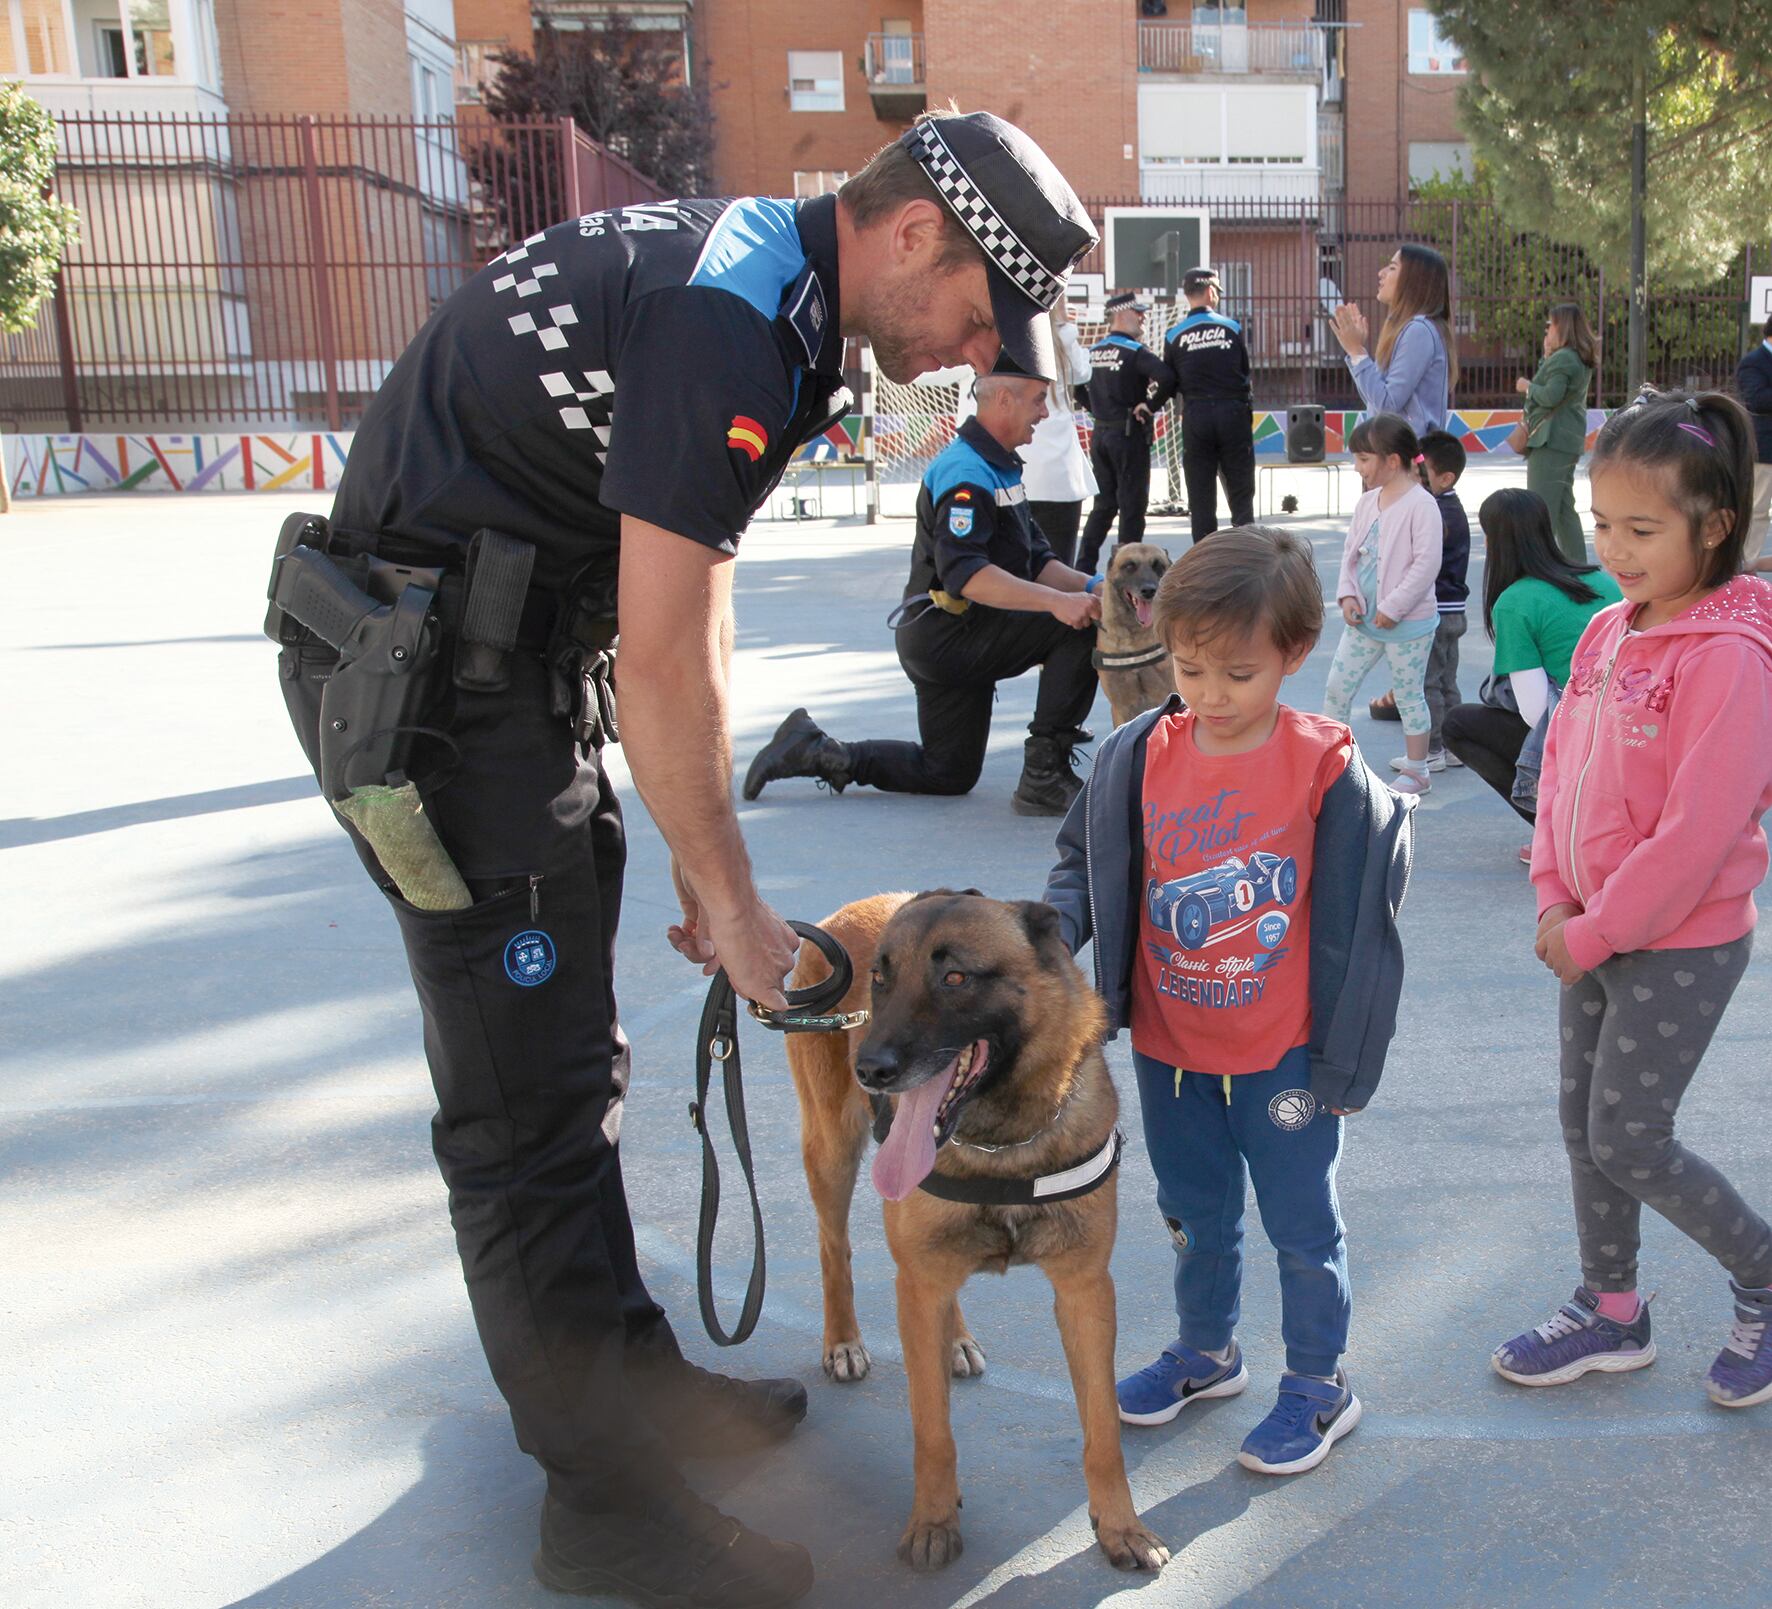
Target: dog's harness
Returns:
[809, 1012]
[1066, 1184]
[1133, 659]
[997, 1190]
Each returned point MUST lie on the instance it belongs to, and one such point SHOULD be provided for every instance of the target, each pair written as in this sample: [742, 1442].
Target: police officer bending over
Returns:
[1210, 361]
[986, 601]
[1128, 384]
[583, 431]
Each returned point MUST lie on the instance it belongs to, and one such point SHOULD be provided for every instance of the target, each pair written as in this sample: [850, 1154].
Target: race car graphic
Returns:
[1191, 907]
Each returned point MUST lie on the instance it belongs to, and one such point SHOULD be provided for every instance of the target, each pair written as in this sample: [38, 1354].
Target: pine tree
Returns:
[1549, 109]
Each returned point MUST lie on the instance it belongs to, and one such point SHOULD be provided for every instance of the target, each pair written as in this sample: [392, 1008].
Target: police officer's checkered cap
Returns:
[1197, 279]
[1033, 278]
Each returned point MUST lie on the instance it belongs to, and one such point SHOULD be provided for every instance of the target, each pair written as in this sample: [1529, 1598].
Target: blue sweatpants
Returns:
[1206, 1145]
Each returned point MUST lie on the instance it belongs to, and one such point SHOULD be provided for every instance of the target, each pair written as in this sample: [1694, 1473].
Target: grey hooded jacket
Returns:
[1364, 846]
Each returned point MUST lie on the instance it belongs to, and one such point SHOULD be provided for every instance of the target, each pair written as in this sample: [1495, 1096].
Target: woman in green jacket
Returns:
[1556, 421]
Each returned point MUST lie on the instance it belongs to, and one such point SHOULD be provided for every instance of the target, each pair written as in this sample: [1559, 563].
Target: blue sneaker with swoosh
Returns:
[1310, 1416]
[1160, 1390]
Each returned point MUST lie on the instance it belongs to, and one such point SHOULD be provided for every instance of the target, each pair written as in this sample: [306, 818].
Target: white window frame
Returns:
[1435, 49]
[810, 182]
[826, 94]
[190, 56]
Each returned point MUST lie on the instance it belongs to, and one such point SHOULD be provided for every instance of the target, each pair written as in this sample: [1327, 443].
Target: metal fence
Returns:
[242, 270]
[1284, 263]
[235, 270]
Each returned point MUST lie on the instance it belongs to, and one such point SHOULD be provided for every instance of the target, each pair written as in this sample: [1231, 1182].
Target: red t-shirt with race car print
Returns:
[1221, 981]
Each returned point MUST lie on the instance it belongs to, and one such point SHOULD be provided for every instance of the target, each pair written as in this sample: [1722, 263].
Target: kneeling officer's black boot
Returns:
[1048, 785]
[799, 749]
[680, 1552]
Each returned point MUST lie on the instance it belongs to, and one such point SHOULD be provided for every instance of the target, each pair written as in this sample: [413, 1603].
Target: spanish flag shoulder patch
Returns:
[747, 436]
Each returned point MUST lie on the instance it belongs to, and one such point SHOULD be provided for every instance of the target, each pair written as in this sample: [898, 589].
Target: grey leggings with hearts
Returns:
[1633, 1032]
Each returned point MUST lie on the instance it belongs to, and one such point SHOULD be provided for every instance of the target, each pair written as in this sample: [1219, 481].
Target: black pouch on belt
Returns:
[581, 660]
[494, 586]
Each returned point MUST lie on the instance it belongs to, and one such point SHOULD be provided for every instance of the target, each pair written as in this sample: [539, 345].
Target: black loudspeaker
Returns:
[1304, 434]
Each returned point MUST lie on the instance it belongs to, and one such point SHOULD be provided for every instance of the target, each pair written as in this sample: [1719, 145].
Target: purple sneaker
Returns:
[1742, 1374]
[1573, 1341]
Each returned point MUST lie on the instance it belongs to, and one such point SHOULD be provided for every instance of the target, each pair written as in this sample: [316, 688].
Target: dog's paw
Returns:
[932, 1544]
[1130, 1546]
[968, 1359]
[847, 1361]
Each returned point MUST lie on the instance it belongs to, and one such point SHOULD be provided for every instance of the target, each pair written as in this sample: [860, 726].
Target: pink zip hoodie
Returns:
[1657, 769]
[1409, 539]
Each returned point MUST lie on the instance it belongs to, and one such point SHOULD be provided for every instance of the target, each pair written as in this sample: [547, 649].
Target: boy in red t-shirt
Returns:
[1218, 971]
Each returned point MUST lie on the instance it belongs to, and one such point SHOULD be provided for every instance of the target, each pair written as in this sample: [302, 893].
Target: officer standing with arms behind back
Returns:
[1128, 385]
[1210, 360]
[581, 433]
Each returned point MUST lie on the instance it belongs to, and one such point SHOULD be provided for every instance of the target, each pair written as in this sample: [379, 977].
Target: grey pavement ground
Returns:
[238, 1367]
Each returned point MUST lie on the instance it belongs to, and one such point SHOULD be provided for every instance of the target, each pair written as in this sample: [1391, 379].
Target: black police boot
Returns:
[678, 1553]
[1048, 785]
[705, 1415]
[799, 749]
[1076, 737]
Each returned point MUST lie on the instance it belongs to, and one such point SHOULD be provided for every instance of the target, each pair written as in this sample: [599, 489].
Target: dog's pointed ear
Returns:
[1041, 923]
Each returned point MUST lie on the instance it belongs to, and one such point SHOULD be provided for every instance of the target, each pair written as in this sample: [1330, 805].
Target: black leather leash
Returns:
[809, 1012]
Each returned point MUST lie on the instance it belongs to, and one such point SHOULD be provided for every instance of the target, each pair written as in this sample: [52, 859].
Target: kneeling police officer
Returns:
[585, 429]
[986, 600]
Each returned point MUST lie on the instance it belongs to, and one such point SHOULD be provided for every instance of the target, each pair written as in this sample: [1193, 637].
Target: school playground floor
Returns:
[238, 1366]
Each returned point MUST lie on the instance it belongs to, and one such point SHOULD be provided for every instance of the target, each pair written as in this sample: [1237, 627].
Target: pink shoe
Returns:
[1526, 854]
[1412, 782]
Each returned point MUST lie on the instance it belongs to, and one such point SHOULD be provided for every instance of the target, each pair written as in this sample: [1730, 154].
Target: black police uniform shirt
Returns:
[972, 511]
[1122, 374]
[664, 361]
[1209, 358]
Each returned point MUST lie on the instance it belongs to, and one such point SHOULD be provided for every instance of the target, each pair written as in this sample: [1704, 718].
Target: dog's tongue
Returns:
[1142, 608]
[907, 1155]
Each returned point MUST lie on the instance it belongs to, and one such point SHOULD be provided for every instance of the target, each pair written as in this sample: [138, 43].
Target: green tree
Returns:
[34, 230]
[1549, 109]
[625, 88]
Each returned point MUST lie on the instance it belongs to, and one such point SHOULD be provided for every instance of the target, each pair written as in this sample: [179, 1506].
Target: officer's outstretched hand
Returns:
[1078, 610]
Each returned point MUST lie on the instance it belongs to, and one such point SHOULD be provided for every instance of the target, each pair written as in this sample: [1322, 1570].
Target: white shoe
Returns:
[1437, 760]
[1453, 763]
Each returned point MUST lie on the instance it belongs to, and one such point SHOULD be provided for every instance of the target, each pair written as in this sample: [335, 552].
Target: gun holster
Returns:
[386, 638]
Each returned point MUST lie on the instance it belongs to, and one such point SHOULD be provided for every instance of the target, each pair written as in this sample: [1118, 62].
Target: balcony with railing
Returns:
[893, 65]
[1295, 49]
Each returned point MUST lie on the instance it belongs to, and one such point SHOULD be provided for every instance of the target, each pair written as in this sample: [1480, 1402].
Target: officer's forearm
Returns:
[1061, 577]
[996, 588]
[671, 690]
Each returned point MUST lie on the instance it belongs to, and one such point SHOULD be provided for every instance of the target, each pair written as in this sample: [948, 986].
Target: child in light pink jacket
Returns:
[1386, 590]
[1658, 768]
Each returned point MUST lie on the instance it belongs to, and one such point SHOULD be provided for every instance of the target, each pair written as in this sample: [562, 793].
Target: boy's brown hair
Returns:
[1229, 583]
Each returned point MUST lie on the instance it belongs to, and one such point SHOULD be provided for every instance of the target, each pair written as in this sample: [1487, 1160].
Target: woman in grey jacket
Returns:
[1414, 368]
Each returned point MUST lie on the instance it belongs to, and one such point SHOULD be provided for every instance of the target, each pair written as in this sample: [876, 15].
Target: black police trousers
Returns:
[954, 663]
[1218, 442]
[1122, 465]
[531, 1070]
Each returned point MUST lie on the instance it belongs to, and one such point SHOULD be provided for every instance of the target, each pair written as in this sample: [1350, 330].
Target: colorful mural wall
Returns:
[52, 466]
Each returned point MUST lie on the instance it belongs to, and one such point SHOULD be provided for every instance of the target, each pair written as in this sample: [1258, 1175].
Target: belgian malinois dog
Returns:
[1125, 632]
[986, 1040]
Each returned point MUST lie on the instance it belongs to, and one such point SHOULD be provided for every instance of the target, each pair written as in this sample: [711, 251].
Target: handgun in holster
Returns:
[387, 644]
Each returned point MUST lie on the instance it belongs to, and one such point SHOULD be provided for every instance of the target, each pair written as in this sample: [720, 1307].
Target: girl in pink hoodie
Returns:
[1647, 852]
[1386, 590]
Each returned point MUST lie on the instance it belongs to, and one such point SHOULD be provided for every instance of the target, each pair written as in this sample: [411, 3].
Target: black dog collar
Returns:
[1135, 660]
[1066, 1184]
